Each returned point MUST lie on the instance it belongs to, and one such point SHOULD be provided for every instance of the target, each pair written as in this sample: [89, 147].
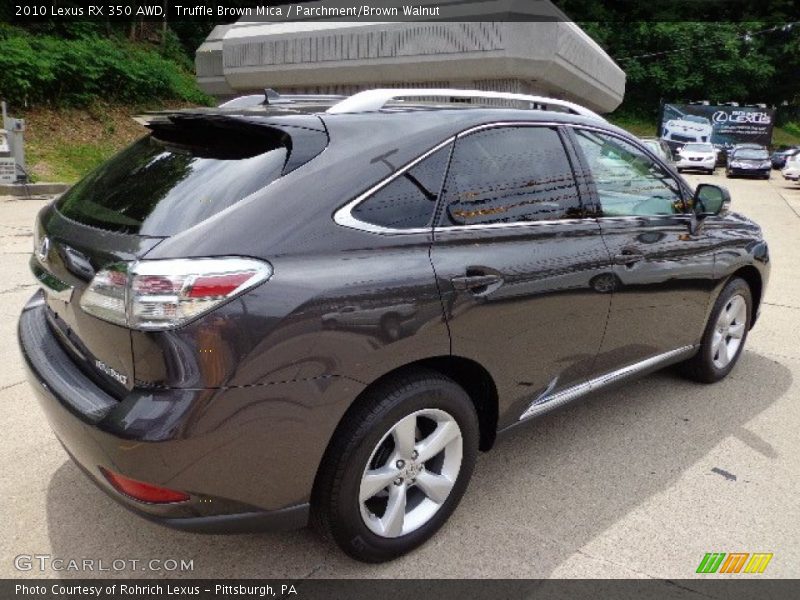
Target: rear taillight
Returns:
[144, 492]
[163, 294]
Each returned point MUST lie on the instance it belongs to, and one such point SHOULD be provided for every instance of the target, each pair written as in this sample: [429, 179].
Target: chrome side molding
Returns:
[548, 402]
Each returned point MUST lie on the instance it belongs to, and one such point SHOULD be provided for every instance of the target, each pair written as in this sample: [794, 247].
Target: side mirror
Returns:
[710, 200]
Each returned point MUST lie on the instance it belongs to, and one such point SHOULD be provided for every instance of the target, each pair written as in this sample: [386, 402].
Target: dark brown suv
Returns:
[316, 309]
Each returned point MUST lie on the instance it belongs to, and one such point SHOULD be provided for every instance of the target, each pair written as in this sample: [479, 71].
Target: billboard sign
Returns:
[723, 126]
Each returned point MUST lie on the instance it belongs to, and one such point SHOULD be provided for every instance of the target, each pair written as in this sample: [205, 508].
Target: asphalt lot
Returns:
[637, 482]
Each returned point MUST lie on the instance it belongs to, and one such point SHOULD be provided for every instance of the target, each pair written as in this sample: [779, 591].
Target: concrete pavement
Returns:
[636, 482]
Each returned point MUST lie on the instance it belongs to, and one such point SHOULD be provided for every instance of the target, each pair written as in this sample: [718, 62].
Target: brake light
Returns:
[163, 294]
[216, 285]
[144, 492]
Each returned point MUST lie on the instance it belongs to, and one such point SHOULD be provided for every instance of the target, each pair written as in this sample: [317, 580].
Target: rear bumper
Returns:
[246, 456]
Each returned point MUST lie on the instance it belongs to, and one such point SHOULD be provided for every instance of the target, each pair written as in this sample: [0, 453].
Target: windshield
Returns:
[752, 154]
[699, 147]
[695, 119]
[159, 188]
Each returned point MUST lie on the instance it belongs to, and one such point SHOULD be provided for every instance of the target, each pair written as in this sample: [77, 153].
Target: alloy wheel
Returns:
[411, 473]
[729, 331]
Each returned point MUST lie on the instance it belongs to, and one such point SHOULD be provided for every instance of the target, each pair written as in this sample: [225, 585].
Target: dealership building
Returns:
[550, 58]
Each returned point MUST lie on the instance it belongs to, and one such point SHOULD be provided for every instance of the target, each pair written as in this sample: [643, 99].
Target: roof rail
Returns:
[373, 100]
[270, 97]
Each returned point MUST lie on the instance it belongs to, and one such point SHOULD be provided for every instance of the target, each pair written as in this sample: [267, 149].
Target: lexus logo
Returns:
[44, 249]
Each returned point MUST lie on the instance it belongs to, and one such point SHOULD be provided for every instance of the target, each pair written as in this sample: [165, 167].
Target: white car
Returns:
[688, 128]
[701, 157]
[791, 169]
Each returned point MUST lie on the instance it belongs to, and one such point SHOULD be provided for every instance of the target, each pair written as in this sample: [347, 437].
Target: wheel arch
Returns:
[479, 385]
[752, 277]
[467, 373]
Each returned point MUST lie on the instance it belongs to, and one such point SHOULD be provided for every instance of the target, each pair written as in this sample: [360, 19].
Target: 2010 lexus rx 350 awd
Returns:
[321, 310]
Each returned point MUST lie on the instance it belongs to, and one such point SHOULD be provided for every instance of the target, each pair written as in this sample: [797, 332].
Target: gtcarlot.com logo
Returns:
[48, 562]
[734, 562]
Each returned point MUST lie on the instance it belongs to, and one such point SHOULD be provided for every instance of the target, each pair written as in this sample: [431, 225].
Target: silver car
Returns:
[700, 157]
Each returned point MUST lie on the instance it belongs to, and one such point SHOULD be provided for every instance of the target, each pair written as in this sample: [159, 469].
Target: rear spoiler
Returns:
[303, 136]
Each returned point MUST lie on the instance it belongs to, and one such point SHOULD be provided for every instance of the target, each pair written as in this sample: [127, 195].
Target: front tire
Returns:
[725, 334]
[397, 466]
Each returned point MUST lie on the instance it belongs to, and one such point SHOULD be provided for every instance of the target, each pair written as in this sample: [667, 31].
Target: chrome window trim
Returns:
[640, 217]
[515, 224]
[343, 215]
[547, 402]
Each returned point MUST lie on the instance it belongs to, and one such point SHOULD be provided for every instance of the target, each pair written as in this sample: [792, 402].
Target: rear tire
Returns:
[369, 496]
[725, 334]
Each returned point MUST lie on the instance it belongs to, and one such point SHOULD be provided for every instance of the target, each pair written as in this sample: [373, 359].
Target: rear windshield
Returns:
[167, 181]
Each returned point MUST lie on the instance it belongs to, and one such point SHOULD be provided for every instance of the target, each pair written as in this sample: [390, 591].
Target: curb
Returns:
[26, 190]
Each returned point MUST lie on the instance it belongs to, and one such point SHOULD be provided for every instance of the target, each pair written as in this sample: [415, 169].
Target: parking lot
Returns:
[636, 482]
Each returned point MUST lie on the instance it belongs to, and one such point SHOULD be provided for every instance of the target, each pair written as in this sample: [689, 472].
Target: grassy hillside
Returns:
[64, 144]
[78, 85]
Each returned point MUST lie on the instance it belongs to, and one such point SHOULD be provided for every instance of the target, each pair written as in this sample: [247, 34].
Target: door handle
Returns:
[475, 283]
[627, 258]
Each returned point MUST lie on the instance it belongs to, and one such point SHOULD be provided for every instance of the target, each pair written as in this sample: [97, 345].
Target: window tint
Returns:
[628, 182]
[158, 188]
[510, 175]
[409, 200]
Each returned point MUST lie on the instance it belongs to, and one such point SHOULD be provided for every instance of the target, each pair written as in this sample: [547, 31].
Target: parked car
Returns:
[747, 161]
[791, 169]
[698, 157]
[387, 321]
[688, 129]
[660, 148]
[179, 345]
[779, 157]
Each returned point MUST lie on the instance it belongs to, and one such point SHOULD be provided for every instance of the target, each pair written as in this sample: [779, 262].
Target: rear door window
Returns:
[172, 180]
[510, 175]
